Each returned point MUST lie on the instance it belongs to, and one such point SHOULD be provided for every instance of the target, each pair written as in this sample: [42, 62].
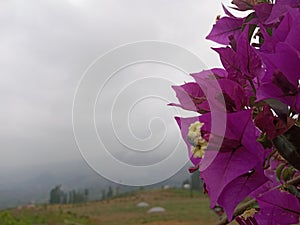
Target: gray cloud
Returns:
[47, 45]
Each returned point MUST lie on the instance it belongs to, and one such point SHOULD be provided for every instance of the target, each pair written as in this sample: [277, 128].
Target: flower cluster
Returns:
[258, 91]
[199, 144]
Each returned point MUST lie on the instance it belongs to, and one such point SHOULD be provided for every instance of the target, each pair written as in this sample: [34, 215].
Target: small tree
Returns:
[56, 195]
[103, 194]
[195, 181]
[86, 194]
[110, 192]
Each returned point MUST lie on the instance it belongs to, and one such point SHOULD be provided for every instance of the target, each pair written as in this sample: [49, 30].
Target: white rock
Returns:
[187, 186]
[142, 204]
[166, 187]
[156, 210]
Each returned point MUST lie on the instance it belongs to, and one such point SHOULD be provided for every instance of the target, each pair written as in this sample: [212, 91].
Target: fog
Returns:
[46, 46]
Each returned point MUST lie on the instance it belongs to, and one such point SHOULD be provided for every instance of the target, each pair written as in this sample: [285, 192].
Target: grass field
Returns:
[181, 209]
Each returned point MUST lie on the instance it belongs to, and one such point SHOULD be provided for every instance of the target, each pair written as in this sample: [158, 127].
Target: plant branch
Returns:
[239, 210]
[253, 87]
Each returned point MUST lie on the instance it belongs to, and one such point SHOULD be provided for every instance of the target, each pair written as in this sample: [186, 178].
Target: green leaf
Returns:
[280, 108]
[269, 31]
[288, 146]
[265, 142]
[279, 171]
[288, 173]
[293, 190]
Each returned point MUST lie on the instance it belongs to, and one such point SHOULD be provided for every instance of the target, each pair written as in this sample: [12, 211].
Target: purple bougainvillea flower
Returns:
[270, 124]
[192, 97]
[251, 64]
[265, 122]
[272, 182]
[242, 186]
[218, 73]
[229, 165]
[280, 54]
[280, 8]
[233, 168]
[291, 3]
[230, 61]
[225, 29]
[244, 5]
[262, 12]
[234, 96]
[292, 28]
[242, 64]
[278, 207]
[287, 32]
[281, 81]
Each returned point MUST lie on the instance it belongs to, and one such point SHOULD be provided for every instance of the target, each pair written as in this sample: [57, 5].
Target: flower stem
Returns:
[253, 87]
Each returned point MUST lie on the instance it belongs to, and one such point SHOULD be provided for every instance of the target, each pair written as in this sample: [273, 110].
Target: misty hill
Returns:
[16, 189]
[180, 209]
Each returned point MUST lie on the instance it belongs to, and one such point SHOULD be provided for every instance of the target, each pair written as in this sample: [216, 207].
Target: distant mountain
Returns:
[71, 175]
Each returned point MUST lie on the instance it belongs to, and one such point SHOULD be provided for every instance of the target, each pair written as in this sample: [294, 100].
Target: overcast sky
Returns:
[47, 45]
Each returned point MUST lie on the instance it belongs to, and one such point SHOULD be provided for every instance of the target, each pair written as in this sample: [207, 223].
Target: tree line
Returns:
[59, 196]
